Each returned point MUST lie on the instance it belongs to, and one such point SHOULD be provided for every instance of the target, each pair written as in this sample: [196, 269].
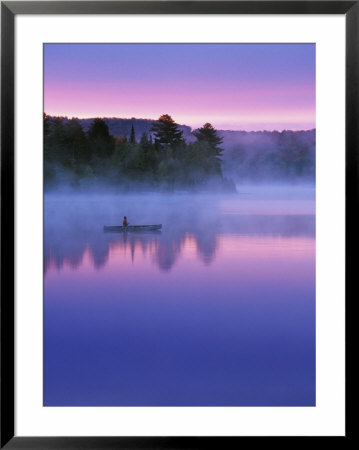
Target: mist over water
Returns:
[217, 309]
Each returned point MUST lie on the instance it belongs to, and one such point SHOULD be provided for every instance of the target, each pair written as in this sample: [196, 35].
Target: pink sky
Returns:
[237, 86]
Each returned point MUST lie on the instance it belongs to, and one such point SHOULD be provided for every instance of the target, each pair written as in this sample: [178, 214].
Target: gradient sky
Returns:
[232, 86]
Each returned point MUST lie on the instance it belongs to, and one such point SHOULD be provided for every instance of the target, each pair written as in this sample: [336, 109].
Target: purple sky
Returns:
[232, 86]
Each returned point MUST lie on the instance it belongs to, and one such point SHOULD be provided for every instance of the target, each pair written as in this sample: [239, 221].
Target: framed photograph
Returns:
[179, 182]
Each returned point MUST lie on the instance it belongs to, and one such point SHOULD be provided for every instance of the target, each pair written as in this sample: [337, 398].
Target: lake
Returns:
[217, 309]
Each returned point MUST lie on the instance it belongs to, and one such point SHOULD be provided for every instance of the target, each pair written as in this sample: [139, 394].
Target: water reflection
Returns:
[67, 245]
[218, 309]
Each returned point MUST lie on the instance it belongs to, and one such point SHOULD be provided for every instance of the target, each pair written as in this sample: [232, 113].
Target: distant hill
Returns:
[122, 127]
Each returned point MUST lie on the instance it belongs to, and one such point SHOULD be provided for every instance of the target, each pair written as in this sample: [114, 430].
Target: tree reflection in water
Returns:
[67, 245]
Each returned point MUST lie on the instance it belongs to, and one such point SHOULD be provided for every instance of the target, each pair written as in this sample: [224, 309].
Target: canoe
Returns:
[133, 228]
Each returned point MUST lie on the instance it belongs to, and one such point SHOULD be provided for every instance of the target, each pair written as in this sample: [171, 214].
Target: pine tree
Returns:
[208, 134]
[99, 130]
[102, 143]
[144, 139]
[132, 136]
[167, 132]
[209, 141]
[47, 125]
[75, 143]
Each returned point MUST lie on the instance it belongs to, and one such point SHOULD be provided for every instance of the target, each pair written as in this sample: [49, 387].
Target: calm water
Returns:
[218, 309]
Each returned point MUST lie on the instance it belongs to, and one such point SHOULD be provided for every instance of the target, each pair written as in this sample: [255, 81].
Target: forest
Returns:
[269, 156]
[160, 159]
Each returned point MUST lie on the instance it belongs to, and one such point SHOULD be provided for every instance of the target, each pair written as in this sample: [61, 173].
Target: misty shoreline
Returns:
[269, 190]
[163, 156]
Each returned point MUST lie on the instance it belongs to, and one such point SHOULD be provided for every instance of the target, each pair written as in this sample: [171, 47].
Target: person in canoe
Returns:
[125, 223]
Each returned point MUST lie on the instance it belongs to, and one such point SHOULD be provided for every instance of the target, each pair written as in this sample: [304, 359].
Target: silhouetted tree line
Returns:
[161, 158]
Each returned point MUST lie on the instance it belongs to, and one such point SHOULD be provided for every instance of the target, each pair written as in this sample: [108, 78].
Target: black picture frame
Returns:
[8, 12]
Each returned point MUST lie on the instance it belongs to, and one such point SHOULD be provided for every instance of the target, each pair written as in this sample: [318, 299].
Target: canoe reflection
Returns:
[127, 232]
